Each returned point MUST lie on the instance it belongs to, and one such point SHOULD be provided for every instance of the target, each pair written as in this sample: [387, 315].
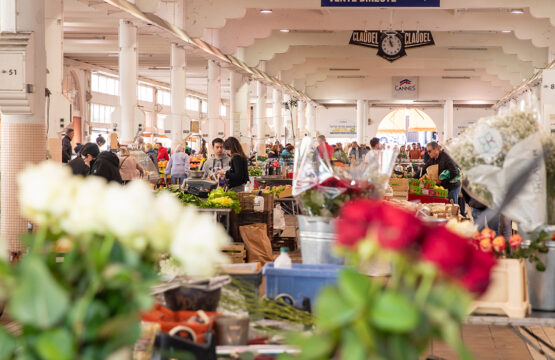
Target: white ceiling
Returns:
[473, 50]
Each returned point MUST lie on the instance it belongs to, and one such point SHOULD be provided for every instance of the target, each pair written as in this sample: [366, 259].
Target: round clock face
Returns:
[391, 45]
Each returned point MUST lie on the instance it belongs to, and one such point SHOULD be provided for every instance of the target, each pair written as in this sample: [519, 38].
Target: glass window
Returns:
[145, 93]
[204, 107]
[269, 112]
[191, 103]
[223, 110]
[104, 84]
[163, 97]
[101, 113]
[161, 121]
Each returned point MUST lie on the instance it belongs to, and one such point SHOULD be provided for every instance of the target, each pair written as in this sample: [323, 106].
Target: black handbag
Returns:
[168, 347]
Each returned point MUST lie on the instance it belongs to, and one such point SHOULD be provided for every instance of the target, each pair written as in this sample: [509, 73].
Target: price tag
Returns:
[12, 72]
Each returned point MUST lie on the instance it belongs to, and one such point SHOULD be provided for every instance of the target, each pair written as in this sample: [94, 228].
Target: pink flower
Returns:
[499, 244]
[477, 277]
[449, 251]
[515, 241]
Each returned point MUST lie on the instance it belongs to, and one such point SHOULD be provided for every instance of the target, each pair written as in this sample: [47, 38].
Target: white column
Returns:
[301, 113]
[276, 113]
[59, 109]
[178, 94]
[259, 141]
[366, 136]
[235, 83]
[127, 81]
[311, 115]
[214, 99]
[23, 139]
[447, 120]
[360, 125]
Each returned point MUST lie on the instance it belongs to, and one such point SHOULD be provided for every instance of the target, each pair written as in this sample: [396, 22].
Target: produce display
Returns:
[427, 187]
[217, 199]
[162, 167]
[255, 171]
[276, 190]
[196, 162]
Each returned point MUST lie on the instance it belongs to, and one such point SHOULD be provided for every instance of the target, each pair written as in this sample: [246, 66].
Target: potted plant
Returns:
[88, 305]
[323, 186]
[508, 293]
[436, 272]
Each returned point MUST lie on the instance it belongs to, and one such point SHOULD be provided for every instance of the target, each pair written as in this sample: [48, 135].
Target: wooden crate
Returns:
[247, 201]
[236, 252]
[399, 184]
[289, 242]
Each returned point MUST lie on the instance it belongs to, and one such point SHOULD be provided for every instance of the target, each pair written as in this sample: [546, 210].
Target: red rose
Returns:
[449, 251]
[349, 232]
[397, 229]
[333, 182]
[477, 277]
[515, 241]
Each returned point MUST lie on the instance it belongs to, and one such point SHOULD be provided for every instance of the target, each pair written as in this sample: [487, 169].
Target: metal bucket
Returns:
[541, 284]
[317, 235]
[232, 330]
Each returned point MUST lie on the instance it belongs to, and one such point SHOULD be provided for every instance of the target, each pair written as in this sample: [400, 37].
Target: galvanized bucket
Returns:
[541, 284]
[317, 235]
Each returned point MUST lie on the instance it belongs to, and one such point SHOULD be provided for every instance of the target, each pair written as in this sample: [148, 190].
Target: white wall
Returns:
[462, 117]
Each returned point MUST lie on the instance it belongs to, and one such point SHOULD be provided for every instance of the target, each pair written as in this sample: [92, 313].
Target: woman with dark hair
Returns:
[238, 175]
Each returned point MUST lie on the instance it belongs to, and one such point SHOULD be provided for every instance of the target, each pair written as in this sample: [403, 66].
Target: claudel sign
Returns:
[391, 44]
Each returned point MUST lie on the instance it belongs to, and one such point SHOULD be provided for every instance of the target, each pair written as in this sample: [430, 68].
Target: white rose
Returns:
[197, 243]
[166, 212]
[88, 214]
[46, 192]
[128, 211]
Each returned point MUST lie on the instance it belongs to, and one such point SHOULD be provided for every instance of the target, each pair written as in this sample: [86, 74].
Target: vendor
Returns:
[448, 171]
[218, 160]
[238, 175]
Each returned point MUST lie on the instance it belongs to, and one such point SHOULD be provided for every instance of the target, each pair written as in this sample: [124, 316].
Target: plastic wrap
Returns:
[494, 152]
[323, 183]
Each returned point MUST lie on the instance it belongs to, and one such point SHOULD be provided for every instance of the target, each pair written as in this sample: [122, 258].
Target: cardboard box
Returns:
[399, 184]
[286, 193]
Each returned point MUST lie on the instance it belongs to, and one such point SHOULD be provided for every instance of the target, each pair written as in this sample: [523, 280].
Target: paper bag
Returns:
[433, 172]
[259, 247]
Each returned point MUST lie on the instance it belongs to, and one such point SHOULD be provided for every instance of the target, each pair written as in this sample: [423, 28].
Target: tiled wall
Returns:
[22, 144]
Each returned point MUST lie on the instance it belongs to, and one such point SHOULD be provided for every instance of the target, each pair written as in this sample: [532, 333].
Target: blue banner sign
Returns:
[380, 3]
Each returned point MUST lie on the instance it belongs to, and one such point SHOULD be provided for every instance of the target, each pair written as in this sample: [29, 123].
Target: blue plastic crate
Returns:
[301, 281]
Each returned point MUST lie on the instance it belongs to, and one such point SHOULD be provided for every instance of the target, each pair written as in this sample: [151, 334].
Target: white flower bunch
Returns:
[52, 197]
[465, 229]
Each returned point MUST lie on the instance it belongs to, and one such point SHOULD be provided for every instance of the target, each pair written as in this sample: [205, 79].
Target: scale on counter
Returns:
[198, 187]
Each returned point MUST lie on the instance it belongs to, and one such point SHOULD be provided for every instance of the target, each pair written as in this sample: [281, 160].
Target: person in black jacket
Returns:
[238, 175]
[82, 164]
[107, 166]
[66, 146]
[444, 163]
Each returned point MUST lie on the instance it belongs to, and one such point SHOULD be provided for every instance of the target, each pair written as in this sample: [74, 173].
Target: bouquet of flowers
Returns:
[494, 152]
[323, 185]
[111, 238]
[435, 274]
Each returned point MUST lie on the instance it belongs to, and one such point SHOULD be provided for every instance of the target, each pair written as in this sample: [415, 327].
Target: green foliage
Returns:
[86, 307]
[366, 318]
[538, 244]
[255, 171]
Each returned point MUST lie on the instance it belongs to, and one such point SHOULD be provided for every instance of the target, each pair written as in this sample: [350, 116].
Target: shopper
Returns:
[178, 167]
[86, 157]
[288, 151]
[448, 171]
[414, 153]
[128, 166]
[78, 148]
[373, 153]
[152, 154]
[107, 166]
[100, 141]
[323, 150]
[203, 149]
[66, 146]
[238, 175]
[280, 147]
[356, 152]
[218, 160]
[162, 153]
[274, 152]
[340, 154]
